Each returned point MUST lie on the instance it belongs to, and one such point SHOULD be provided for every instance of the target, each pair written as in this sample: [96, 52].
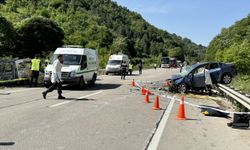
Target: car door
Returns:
[215, 72]
[198, 77]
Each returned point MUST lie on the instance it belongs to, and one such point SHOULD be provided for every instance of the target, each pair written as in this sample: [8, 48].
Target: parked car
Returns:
[193, 77]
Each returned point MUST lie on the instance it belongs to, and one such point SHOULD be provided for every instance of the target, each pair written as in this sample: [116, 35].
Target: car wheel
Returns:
[226, 79]
[182, 88]
[81, 83]
[106, 73]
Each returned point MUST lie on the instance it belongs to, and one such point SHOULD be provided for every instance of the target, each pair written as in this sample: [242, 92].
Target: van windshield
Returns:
[69, 59]
[114, 62]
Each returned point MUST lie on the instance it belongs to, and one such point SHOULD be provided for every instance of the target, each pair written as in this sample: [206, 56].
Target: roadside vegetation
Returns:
[233, 45]
[39, 26]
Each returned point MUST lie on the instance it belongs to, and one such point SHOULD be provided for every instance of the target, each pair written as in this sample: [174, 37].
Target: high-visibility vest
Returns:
[130, 66]
[35, 64]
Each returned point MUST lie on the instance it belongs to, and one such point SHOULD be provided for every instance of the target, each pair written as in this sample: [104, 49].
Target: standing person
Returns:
[35, 68]
[140, 67]
[123, 70]
[155, 66]
[56, 78]
[208, 81]
[130, 68]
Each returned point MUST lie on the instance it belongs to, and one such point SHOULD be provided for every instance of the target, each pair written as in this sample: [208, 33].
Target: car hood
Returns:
[176, 77]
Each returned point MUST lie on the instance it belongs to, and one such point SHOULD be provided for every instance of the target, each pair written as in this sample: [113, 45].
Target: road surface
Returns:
[109, 116]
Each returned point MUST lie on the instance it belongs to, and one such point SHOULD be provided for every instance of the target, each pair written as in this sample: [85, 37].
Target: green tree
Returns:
[38, 35]
[120, 45]
[7, 37]
[176, 52]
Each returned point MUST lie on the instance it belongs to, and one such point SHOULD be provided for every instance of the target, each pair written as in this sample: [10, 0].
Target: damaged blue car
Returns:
[193, 77]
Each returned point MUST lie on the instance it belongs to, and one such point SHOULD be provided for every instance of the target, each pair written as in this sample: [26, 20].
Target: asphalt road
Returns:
[108, 116]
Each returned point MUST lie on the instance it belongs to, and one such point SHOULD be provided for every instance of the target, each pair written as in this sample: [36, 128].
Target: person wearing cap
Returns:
[56, 78]
[35, 68]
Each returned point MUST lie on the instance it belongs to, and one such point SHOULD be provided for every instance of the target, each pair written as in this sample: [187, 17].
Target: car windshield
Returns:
[114, 62]
[164, 60]
[69, 59]
[185, 70]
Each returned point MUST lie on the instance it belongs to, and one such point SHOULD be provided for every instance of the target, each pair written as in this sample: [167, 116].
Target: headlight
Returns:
[72, 74]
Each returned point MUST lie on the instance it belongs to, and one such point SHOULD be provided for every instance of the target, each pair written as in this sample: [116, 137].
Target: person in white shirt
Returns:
[56, 78]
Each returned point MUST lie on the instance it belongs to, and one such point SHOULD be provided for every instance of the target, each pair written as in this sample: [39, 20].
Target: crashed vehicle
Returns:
[193, 77]
[17, 70]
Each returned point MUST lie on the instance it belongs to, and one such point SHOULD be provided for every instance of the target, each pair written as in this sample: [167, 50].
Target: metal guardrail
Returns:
[240, 98]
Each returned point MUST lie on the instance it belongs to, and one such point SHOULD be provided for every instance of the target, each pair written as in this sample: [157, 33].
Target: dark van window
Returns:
[84, 62]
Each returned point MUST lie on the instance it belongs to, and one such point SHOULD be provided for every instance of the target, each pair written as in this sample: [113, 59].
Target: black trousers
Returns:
[140, 70]
[54, 86]
[34, 75]
[123, 73]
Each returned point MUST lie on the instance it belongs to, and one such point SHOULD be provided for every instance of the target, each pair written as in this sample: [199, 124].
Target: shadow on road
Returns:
[82, 99]
[98, 86]
[7, 143]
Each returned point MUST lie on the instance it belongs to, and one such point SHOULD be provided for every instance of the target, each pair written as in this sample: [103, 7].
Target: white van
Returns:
[114, 63]
[80, 66]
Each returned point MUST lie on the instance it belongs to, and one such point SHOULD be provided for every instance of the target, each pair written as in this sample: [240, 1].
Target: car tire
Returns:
[182, 88]
[81, 83]
[226, 78]
[106, 73]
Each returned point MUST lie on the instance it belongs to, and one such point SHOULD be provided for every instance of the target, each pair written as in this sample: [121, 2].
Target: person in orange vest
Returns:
[35, 68]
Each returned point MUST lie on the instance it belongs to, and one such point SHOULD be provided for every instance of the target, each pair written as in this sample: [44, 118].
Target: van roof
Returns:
[118, 57]
[74, 51]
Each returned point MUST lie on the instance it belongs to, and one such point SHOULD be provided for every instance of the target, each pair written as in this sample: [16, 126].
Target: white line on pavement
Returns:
[66, 102]
[157, 136]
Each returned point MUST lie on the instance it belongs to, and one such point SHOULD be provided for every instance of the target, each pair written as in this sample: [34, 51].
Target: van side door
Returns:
[84, 68]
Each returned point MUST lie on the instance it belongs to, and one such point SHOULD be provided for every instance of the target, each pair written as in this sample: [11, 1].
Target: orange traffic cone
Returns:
[146, 99]
[133, 83]
[156, 103]
[143, 91]
[181, 111]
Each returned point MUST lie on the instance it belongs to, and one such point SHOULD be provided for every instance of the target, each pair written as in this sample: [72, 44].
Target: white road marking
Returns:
[66, 102]
[157, 136]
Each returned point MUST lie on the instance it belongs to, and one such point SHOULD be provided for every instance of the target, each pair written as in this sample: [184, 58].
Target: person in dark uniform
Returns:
[123, 70]
[140, 67]
[35, 68]
[56, 78]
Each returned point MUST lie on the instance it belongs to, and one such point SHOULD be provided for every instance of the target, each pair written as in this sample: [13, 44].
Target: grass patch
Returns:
[242, 83]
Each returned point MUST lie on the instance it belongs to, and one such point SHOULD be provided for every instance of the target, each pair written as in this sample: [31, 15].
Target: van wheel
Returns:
[92, 81]
[81, 83]
[182, 88]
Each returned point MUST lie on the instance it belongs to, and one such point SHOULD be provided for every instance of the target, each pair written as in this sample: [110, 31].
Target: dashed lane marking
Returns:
[66, 102]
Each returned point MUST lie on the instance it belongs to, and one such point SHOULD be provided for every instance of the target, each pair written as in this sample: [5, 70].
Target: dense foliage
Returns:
[233, 45]
[99, 24]
[7, 37]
